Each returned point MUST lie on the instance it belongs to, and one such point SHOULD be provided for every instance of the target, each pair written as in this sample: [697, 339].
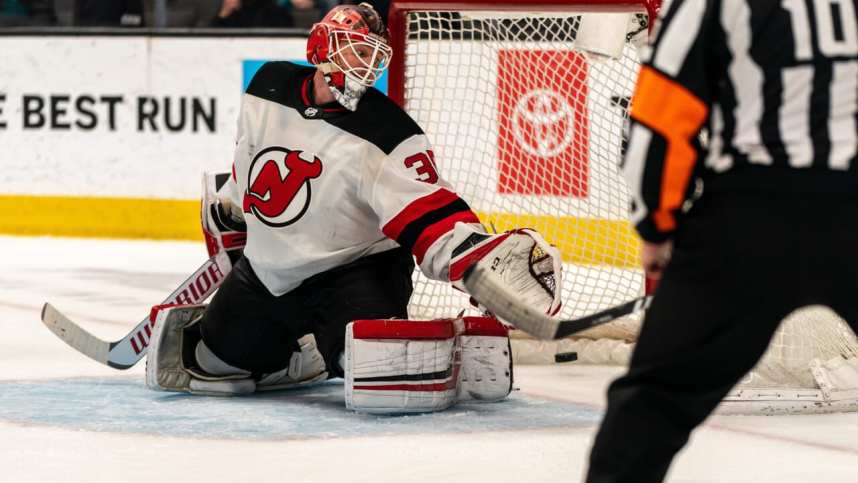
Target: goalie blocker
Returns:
[403, 366]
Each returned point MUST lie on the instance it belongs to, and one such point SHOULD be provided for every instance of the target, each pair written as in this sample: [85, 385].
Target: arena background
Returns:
[108, 135]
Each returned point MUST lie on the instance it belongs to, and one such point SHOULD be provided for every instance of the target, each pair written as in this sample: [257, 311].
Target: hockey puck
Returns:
[565, 357]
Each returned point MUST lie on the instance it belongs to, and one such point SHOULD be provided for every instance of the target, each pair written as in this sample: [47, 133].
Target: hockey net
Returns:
[527, 109]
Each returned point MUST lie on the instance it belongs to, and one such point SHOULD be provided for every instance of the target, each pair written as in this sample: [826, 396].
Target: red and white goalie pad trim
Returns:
[404, 366]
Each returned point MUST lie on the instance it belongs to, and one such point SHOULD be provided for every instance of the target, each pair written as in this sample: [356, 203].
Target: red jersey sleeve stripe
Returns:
[416, 209]
[432, 233]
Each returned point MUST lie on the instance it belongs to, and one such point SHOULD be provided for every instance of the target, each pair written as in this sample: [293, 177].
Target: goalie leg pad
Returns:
[486, 373]
[170, 363]
[401, 366]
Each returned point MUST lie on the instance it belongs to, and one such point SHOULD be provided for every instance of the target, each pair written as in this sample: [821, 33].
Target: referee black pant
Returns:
[740, 265]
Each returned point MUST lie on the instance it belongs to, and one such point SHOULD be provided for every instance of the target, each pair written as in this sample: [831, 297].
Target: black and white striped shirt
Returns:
[775, 82]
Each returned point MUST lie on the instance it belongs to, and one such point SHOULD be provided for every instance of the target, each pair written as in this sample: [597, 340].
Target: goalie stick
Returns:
[505, 305]
[126, 352]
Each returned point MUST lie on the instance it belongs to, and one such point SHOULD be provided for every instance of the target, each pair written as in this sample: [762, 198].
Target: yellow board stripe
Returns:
[584, 241]
[100, 217]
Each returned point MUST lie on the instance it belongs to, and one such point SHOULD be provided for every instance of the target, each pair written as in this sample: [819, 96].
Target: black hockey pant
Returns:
[249, 328]
[740, 265]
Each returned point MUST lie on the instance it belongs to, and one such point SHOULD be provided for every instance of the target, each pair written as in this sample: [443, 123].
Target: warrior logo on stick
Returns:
[278, 192]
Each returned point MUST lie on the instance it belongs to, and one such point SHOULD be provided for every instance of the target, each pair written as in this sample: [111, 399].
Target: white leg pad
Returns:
[165, 361]
[486, 373]
[164, 368]
[401, 366]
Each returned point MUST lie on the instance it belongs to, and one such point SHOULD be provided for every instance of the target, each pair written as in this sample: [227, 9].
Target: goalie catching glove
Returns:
[520, 260]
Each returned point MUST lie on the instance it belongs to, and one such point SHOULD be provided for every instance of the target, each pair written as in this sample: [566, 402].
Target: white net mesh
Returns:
[529, 129]
[810, 366]
[807, 334]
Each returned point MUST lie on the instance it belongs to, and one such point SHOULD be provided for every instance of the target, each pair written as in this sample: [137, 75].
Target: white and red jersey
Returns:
[321, 187]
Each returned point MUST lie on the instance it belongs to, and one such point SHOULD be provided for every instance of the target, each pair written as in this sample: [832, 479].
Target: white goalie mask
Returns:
[351, 47]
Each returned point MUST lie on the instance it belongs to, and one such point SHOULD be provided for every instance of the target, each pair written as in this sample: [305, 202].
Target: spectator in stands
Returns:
[380, 6]
[252, 13]
[184, 13]
[26, 13]
[109, 13]
[308, 12]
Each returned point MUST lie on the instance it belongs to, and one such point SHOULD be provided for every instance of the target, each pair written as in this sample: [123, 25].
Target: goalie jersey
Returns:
[321, 186]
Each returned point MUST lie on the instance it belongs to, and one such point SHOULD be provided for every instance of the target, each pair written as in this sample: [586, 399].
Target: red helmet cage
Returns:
[347, 18]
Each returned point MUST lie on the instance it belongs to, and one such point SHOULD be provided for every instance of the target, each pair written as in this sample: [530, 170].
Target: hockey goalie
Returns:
[338, 194]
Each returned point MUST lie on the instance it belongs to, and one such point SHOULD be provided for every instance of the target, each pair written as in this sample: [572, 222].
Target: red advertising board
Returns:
[543, 124]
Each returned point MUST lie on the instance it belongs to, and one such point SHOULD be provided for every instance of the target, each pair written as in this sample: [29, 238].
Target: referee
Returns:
[775, 227]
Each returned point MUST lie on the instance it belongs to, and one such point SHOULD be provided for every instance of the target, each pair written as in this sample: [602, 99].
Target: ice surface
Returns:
[65, 418]
[123, 404]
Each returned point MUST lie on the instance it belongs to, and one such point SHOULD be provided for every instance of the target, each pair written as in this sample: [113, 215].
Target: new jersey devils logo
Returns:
[278, 192]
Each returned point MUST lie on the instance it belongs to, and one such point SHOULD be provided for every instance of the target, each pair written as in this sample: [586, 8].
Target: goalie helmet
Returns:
[351, 47]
